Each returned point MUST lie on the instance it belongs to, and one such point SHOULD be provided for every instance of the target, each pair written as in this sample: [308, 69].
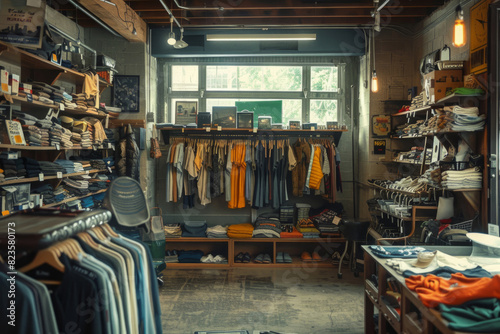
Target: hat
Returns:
[424, 259]
[79, 126]
[66, 122]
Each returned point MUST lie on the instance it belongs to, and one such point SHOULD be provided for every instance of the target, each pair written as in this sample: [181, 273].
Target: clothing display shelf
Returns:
[448, 100]
[73, 198]
[249, 133]
[35, 179]
[36, 105]
[52, 148]
[255, 246]
[414, 317]
[41, 228]
[40, 68]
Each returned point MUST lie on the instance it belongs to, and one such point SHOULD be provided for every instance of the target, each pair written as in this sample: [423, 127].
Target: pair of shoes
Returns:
[262, 258]
[213, 259]
[307, 257]
[283, 258]
[242, 258]
[171, 253]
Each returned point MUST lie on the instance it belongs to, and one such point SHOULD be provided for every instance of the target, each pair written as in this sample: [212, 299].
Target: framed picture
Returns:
[126, 92]
[22, 25]
[381, 125]
[224, 116]
[294, 125]
[186, 112]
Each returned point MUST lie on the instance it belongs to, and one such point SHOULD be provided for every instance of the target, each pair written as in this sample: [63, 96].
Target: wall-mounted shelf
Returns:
[47, 148]
[51, 177]
[74, 198]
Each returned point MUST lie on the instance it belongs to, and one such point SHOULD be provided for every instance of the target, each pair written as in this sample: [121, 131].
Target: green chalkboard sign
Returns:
[262, 108]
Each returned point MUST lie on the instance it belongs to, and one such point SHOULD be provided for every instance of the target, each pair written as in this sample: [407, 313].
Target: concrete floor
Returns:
[295, 300]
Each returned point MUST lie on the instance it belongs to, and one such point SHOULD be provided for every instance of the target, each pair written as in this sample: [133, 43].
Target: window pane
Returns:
[254, 78]
[184, 78]
[322, 111]
[292, 111]
[324, 79]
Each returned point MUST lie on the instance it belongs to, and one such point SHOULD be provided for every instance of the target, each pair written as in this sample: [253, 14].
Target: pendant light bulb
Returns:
[171, 35]
[459, 29]
[374, 82]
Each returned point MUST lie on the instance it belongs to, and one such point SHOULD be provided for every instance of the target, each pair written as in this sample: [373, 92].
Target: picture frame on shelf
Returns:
[126, 92]
[294, 125]
[186, 112]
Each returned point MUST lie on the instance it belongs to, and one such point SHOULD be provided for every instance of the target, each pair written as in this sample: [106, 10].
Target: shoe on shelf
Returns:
[239, 258]
[316, 257]
[279, 257]
[259, 258]
[219, 259]
[287, 258]
[246, 258]
[207, 258]
[267, 259]
[168, 253]
[306, 257]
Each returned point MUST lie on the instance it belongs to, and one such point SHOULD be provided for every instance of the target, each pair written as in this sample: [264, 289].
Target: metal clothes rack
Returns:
[41, 228]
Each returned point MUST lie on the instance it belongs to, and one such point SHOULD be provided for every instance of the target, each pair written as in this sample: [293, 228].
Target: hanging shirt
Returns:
[238, 171]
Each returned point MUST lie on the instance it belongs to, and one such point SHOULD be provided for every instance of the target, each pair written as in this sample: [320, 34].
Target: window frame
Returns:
[305, 95]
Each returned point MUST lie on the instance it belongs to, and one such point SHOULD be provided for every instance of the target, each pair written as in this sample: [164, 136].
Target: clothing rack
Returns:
[37, 229]
[167, 133]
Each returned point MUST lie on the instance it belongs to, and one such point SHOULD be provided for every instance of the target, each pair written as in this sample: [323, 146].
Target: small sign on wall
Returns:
[381, 125]
[379, 147]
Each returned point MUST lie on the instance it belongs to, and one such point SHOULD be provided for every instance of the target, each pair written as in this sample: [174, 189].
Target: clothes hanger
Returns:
[98, 233]
[109, 231]
[88, 239]
[48, 256]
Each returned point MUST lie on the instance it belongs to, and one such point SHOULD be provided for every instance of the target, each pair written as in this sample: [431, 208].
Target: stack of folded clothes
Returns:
[51, 168]
[47, 192]
[190, 256]
[55, 135]
[32, 167]
[76, 139]
[60, 194]
[171, 256]
[110, 136]
[325, 223]
[194, 229]
[217, 231]
[307, 228]
[13, 168]
[173, 230]
[66, 138]
[42, 92]
[87, 202]
[79, 100]
[85, 139]
[78, 167]
[45, 137]
[267, 228]
[98, 164]
[294, 234]
[68, 165]
[33, 135]
[2, 175]
[98, 199]
[74, 204]
[470, 178]
[240, 231]
[110, 161]
[76, 187]
[467, 119]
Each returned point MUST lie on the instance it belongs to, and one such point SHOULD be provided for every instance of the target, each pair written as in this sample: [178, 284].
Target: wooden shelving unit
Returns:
[73, 198]
[36, 179]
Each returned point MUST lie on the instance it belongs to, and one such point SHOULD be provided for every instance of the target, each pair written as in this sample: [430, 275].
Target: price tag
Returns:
[29, 97]
[219, 128]
[336, 220]
[59, 175]
[207, 129]
[109, 169]
[58, 147]
[254, 130]
[40, 177]
[312, 128]
[61, 106]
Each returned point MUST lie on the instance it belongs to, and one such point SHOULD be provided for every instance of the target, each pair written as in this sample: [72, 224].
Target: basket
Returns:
[484, 245]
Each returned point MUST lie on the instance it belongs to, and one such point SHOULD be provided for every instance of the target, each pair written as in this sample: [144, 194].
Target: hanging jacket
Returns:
[128, 154]
[303, 154]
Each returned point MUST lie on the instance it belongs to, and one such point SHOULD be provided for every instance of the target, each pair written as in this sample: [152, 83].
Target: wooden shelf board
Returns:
[74, 198]
[248, 131]
[46, 148]
[197, 265]
[454, 97]
[51, 177]
[187, 239]
[404, 113]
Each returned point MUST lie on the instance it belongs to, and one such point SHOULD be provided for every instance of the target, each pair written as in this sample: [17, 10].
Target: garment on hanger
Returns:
[238, 172]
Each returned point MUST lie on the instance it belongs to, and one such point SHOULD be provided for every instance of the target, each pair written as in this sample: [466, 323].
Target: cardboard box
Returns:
[437, 83]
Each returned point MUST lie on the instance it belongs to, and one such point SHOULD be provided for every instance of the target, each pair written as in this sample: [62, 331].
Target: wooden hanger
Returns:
[48, 256]
[98, 233]
[109, 231]
[88, 239]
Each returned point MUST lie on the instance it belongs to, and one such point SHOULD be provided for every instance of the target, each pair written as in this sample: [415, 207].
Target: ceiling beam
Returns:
[120, 18]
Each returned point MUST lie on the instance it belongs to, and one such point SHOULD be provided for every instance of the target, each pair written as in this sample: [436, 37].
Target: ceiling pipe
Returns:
[169, 13]
[93, 17]
[198, 8]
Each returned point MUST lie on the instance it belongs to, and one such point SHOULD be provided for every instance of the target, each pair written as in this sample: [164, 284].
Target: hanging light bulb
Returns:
[374, 82]
[171, 35]
[459, 29]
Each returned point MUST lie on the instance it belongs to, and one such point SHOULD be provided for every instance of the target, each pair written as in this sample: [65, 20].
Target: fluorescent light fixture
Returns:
[261, 37]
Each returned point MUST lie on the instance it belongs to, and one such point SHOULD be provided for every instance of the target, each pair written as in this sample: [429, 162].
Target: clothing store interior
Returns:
[249, 167]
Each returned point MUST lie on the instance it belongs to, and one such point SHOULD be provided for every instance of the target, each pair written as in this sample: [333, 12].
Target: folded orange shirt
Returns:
[240, 230]
[434, 290]
[293, 234]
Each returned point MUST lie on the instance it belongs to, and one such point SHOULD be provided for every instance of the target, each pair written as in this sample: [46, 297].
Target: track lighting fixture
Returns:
[171, 35]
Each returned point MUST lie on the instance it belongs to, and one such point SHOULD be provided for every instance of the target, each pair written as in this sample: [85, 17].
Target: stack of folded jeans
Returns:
[60, 194]
[98, 199]
[76, 138]
[217, 231]
[32, 167]
[45, 137]
[51, 168]
[79, 100]
[47, 192]
[13, 168]
[68, 165]
[267, 228]
[110, 136]
[87, 202]
[470, 178]
[66, 138]
[76, 187]
[55, 135]
[85, 139]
